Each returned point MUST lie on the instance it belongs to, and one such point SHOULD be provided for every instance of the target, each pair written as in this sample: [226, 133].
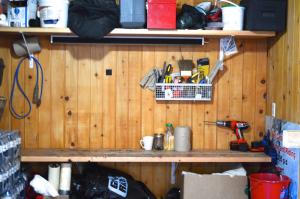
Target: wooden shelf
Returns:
[145, 32]
[56, 155]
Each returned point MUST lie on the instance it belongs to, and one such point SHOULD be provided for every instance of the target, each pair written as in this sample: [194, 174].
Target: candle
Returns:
[65, 179]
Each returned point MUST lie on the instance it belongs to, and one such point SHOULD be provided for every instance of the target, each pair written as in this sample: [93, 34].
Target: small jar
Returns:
[158, 142]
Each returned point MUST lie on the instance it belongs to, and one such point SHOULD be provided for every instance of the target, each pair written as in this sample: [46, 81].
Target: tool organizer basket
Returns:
[188, 92]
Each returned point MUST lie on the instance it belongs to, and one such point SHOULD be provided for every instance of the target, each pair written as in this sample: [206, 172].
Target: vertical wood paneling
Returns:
[134, 104]
[147, 125]
[134, 95]
[236, 85]
[45, 125]
[283, 68]
[122, 126]
[249, 77]
[261, 87]
[57, 95]
[5, 122]
[294, 107]
[96, 97]
[84, 96]
[18, 101]
[224, 78]
[210, 109]
[109, 97]
[71, 97]
[160, 119]
[31, 122]
[116, 112]
[198, 108]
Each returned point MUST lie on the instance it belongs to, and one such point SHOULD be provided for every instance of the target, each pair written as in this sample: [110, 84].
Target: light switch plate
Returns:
[273, 109]
[291, 138]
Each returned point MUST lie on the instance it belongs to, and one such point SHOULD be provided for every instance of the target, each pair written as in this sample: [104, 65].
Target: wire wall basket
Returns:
[188, 92]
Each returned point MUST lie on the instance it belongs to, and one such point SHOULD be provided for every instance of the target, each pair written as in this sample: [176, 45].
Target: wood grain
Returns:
[283, 69]
[44, 120]
[116, 112]
[57, 96]
[43, 155]
[5, 121]
[84, 96]
[122, 90]
[71, 97]
[143, 32]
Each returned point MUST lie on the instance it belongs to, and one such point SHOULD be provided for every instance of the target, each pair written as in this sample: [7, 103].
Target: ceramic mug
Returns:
[147, 143]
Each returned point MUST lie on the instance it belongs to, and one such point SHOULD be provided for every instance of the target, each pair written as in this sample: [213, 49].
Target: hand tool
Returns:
[186, 67]
[162, 77]
[237, 126]
[168, 77]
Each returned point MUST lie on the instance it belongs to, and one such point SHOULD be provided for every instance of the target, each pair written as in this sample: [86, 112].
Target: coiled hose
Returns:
[37, 96]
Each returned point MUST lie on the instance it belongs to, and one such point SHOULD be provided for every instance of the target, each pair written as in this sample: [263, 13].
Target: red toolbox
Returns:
[161, 14]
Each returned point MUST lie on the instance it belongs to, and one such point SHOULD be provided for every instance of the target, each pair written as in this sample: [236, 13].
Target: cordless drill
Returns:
[237, 126]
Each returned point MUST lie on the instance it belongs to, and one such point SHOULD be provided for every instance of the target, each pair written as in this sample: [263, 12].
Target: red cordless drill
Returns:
[237, 126]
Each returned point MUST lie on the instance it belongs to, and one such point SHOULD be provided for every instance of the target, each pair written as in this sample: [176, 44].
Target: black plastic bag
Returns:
[173, 193]
[93, 18]
[190, 18]
[93, 183]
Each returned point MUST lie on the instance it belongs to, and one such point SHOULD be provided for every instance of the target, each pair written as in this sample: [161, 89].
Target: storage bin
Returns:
[268, 15]
[132, 13]
[184, 92]
[54, 13]
[161, 14]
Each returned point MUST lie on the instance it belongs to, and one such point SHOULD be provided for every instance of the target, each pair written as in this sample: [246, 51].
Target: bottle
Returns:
[169, 139]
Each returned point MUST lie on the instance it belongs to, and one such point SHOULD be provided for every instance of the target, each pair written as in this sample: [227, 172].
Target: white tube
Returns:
[65, 179]
[53, 175]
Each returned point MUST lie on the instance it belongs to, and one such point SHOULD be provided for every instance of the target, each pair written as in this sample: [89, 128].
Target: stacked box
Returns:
[12, 182]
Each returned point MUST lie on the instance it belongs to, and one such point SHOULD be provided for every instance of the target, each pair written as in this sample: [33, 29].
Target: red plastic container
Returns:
[161, 14]
[268, 186]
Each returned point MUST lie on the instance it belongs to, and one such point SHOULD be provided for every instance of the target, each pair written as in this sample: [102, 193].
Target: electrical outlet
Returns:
[108, 72]
[273, 109]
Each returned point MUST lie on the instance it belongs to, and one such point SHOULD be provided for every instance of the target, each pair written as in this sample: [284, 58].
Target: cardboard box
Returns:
[20, 12]
[199, 186]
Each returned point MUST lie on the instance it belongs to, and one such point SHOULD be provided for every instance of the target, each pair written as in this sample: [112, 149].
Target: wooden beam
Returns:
[61, 155]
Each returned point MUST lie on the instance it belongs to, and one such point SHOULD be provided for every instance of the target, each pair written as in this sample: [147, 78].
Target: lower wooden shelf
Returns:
[65, 155]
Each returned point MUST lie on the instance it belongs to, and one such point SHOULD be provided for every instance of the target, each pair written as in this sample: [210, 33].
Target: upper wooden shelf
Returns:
[146, 32]
[64, 155]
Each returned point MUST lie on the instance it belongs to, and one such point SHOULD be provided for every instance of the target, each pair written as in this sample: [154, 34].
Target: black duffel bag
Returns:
[93, 19]
[98, 182]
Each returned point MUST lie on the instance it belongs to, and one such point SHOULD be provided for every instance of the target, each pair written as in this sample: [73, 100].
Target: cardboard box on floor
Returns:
[199, 186]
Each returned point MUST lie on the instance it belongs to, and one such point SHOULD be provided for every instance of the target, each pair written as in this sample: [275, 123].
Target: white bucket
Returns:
[233, 18]
[54, 13]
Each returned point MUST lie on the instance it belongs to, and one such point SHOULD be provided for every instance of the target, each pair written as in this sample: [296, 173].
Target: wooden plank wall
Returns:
[84, 108]
[283, 68]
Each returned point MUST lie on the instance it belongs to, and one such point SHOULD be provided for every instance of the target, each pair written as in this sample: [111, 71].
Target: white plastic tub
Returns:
[233, 18]
[54, 13]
